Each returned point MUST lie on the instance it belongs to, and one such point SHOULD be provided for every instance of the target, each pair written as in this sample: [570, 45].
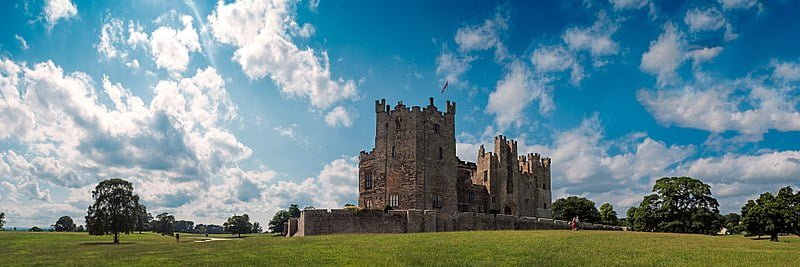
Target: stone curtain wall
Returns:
[342, 221]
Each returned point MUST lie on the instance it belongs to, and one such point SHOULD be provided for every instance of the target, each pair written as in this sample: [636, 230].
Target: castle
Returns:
[414, 166]
[412, 181]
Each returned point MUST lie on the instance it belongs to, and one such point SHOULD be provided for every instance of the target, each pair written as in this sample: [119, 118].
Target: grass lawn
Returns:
[521, 248]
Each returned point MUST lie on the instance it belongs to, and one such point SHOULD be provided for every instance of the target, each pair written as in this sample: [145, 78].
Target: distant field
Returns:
[523, 248]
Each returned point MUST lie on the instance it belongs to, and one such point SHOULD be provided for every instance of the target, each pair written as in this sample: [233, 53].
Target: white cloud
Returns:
[704, 19]
[262, 33]
[452, 67]
[339, 117]
[746, 106]
[55, 10]
[22, 43]
[664, 55]
[629, 4]
[786, 71]
[738, 4]
[485, 36]
[513, 94]
[170, 48]
[768, 168]
[337, 183]
[705, 54]
[596, 39]
[313, 5]
[111, 33]
[557, 59]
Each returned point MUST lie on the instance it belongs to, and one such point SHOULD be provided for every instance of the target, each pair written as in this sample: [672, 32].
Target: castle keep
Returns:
[412, 181]
[414, 166]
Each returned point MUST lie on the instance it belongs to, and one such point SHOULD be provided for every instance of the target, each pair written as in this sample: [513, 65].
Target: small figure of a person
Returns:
[178, 238]
[577, 223]
[574, 223]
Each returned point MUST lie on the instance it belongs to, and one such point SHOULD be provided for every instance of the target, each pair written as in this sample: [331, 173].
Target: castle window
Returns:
[393, 152]
[394, 201]
[368, 203]
[544, 186]
[397, 124]
[471, 196]
[437, 201]
[441, 156]
[544, 205]
[510, 185]
[368, 180]
[494, 200]
[436, 128]
[485, 177]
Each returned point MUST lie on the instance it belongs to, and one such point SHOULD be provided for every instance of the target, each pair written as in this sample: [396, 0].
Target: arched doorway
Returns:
[508, 210]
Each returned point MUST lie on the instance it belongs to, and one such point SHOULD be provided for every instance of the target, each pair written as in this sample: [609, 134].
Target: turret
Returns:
[380, 106]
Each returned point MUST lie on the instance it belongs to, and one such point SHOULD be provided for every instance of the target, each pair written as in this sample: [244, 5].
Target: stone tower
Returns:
[413, 164]
[517, 185]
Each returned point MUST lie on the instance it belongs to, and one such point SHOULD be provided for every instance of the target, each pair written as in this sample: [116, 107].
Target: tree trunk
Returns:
[116, 238]
[773, 237]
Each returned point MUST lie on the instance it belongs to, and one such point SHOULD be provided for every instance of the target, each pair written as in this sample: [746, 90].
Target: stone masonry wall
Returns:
[342, 221]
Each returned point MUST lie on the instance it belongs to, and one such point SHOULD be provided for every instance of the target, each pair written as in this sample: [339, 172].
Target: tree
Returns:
[257, 228]
[773, 215]
[294, 211]
[35, 229]
[164, 224]
[607, 214]
[183, 226]
[2, 220]
[114, 209]
[64, 224]
[679, 205]
[276, 224]
[238, 225]
[732, 222]
[567, 208]
[143, 218]
[80, 229]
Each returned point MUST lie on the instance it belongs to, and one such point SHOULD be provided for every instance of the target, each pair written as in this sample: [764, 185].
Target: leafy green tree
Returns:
[570, 207]
[80, 229]
[276, 224]
[183, 226]
[607, 214]
[114, 209]
[257, 228]
[2, 220]
[165, 224]
[238, 225]
[732, 222]
[294, 211]
[143, 218]
[679, 205]
[35, 229]
[773, 214]
[64, 224]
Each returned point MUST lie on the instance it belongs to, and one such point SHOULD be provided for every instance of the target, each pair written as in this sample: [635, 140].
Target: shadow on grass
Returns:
[106, 243]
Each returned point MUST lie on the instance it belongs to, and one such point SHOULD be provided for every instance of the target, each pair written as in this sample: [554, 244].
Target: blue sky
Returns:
[214, 108]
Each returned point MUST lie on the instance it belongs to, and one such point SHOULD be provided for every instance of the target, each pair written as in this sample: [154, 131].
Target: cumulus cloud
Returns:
[664, 55]
[738, 4]
[170, 48]
[704, 19]
[595, 39]
[484, 36]
[557, 59]
[55, 10]
[261, 32]
[786, 71]
[339, 117]
[451, 67]
[747, 106]
[629, 4]
[513, 94]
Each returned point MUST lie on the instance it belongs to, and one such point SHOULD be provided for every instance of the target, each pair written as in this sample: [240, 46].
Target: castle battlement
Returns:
[382, 107]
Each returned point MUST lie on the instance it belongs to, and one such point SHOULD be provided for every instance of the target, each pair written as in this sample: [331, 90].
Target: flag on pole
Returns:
[444, 88]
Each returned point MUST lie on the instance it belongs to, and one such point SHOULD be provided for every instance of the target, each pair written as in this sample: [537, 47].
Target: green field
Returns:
[524, 248]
